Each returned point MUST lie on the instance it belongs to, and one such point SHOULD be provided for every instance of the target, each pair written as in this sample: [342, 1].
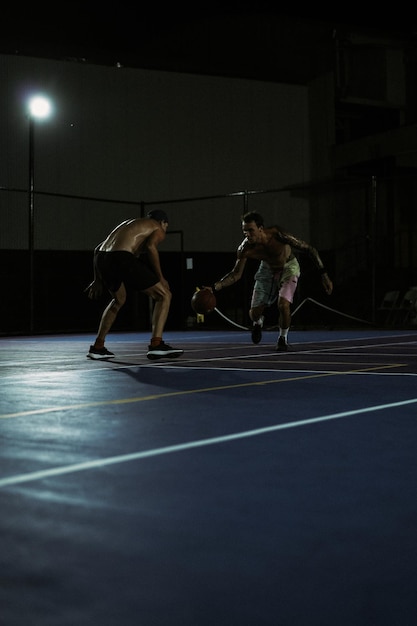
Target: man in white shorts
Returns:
[277, 275]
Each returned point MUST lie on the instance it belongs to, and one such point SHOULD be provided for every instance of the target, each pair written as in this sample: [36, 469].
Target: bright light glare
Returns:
[39, 107]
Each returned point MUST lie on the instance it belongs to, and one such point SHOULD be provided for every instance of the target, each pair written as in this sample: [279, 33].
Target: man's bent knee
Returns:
[159, 293]
[117, 303]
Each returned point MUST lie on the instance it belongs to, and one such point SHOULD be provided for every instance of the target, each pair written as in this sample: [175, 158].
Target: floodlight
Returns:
[39, 107]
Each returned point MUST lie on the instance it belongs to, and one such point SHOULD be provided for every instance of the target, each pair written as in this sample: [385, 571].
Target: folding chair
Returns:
[406, 311]
[388, 305]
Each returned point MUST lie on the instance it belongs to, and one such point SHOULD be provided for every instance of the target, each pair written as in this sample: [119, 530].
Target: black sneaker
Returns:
[256, 333]
[282, 345]
[158, 352]
[257, 330]
[99, 353]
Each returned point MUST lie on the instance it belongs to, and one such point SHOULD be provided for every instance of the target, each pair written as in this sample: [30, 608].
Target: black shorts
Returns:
[120, 267]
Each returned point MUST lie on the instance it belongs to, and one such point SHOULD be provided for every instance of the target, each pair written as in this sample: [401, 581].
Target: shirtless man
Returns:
[277, 275]
[117, 266]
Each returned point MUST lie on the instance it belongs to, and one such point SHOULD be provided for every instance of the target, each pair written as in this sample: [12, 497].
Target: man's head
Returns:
[158, 215]
[252, 216]
[252, 226]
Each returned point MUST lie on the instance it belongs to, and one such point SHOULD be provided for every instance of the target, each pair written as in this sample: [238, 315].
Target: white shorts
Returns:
[268, 286]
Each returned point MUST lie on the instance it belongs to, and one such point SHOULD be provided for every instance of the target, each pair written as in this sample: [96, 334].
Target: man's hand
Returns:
[94, 290]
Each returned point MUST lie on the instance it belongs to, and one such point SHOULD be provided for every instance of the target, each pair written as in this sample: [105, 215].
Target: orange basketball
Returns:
[203, 301]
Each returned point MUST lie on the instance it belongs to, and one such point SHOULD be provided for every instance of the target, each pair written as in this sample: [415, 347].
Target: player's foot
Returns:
[158, 352]
[99, 353]
[257, 330]
[282, 345]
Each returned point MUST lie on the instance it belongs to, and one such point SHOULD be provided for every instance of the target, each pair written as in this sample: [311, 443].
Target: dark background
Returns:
[281, 46]
[230, 39]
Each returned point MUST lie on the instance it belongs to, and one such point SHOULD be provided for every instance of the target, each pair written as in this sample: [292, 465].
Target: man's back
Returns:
[131, 235]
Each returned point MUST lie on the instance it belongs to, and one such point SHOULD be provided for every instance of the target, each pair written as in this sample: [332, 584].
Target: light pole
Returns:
[39, 107]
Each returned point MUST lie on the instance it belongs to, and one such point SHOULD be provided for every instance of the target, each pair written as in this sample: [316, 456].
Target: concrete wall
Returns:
[132, 136]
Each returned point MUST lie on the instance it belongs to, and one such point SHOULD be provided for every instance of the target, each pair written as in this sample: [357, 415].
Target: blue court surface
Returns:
[233, 486]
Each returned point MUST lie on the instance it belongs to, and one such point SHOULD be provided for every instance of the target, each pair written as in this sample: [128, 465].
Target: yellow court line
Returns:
[320, 362]
[170, 394]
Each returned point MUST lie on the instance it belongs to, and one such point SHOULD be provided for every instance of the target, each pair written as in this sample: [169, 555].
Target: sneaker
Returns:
[282, 345]
[257, 330]
[158, 352]
[99, 353]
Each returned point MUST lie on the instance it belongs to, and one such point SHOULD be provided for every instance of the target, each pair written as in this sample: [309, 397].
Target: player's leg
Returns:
[162, 297]
[286, 296]
[256, 315]
[284, 310]
[98, 350]
[263, 294]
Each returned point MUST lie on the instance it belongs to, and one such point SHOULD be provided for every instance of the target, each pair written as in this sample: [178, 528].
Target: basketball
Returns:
[203, 301]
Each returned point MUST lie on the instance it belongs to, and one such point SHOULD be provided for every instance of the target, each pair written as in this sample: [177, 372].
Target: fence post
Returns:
[373, 243]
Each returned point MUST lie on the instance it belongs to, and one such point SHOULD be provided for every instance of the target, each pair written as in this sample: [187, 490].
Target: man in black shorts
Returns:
[117, 266]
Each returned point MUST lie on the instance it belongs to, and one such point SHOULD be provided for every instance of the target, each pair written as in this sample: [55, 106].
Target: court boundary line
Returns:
[135, 456]
[220, 345]
[185, 392]
[261, 370]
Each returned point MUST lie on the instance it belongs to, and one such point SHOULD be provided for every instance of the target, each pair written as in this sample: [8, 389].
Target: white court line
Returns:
[124, 458]
[265, 370]
[359, 347]
[88, 363]
[182, 365]
[114, 365]
[75, 358]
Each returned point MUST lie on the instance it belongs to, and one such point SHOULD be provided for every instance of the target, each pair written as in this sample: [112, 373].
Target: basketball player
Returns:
[277, 275]
[117, 266]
